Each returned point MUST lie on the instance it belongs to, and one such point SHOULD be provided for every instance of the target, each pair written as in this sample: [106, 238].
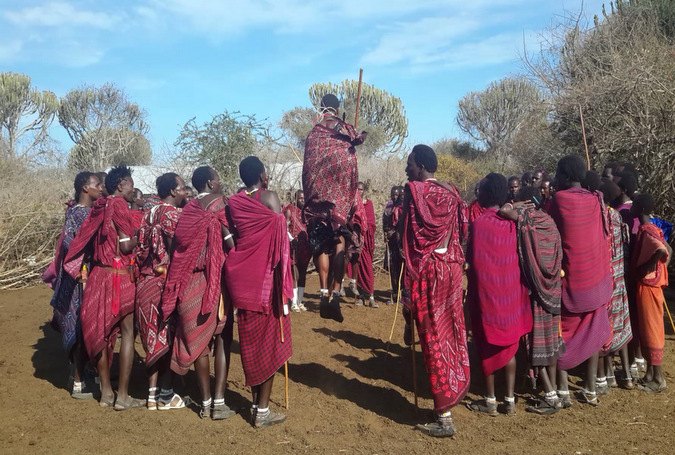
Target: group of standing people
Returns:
[571, 268]
[176, 273]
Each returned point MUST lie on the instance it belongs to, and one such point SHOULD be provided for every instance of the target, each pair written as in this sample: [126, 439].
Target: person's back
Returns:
[580, 218]
[258, 279]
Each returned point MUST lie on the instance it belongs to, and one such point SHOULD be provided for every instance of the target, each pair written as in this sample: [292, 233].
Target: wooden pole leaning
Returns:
[281, 330]
[583, 133]
[358, 98]
[669, 315]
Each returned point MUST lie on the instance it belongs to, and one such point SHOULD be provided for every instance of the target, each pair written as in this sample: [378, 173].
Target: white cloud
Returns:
[420, 40]
[59, 14]
[321, 19]
[9, 50]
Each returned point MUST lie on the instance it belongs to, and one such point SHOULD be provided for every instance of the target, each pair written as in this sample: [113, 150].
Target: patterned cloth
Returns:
[152, 259]
[193, 283]
[108, 296]
[496, 294]
[329, 178]
[650, 300]
[436, 213]
[68, 291]
[301, 253]
[540, 255]
[545, 343]
[262, 352]
[619, 315]
[587, 285]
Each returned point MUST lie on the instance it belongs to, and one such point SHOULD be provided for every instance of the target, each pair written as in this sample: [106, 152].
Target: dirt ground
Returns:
[348, 395]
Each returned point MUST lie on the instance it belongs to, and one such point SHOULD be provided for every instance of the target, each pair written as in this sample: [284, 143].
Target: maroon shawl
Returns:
[330, 172]
[262, 245]
[499, 298]
[434, 213]
[197, 229]
[540, 254]
[584, 229]
[106, 214]
[366, 277]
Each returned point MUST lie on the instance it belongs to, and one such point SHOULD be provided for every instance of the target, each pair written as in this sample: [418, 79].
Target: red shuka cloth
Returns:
[100, 324]
[584, 229]
[262, 245]
[300, 251]
[434, 214]
[197, 229]
[587, 285]
[330, 171]
[159, 224]
[193, 283]
[475, 210]
[497, 296]
[366, 275]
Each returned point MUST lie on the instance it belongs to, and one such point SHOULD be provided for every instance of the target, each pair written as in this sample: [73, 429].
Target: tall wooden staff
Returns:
[358, 98]
[282, 298]
[583, 133]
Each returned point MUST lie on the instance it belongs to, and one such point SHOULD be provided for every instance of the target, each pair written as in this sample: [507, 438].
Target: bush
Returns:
[31, 218]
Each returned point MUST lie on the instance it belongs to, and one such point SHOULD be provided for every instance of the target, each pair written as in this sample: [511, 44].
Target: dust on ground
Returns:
[350, 393]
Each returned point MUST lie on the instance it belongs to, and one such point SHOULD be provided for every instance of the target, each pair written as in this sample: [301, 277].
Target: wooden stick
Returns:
[295, 153]
[583, 132]
[358, 98]
[281, 327]
[398, 300]
[414, 368]
[286, 382]
[669, 315]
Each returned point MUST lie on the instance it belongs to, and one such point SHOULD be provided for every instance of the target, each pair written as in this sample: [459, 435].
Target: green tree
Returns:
[296, 124]
[493, 116]
[25, 112]
[380, 113]
[105, 126]
[223, 142]
[114, 148]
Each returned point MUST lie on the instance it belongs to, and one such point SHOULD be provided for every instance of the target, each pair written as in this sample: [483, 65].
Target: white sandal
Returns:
[176, 403]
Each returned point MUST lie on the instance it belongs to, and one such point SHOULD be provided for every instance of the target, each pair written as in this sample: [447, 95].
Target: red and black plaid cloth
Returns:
[262, 352]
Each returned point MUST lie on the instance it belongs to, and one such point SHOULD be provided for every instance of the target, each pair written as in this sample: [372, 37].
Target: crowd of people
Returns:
[569, 269]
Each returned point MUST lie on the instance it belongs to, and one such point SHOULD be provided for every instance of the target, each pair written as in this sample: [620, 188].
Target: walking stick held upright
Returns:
[358, 98]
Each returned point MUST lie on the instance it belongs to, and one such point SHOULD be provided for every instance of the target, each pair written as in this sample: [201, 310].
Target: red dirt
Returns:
[347, 396]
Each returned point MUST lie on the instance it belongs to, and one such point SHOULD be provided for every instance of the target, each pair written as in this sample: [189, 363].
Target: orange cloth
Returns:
[650, 293]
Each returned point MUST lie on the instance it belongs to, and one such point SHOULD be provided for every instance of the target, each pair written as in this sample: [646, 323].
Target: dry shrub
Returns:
[462, 174]
[31, 217]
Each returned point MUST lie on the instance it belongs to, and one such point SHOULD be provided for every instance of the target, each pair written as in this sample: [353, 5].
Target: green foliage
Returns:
[493, 116]
[223, 142]
[106, 127]
[297, 123]
[381, 114]
[24, 110]
[115, 147]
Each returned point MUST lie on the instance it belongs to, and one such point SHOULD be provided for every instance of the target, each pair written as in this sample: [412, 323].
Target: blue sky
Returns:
[180, 59]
